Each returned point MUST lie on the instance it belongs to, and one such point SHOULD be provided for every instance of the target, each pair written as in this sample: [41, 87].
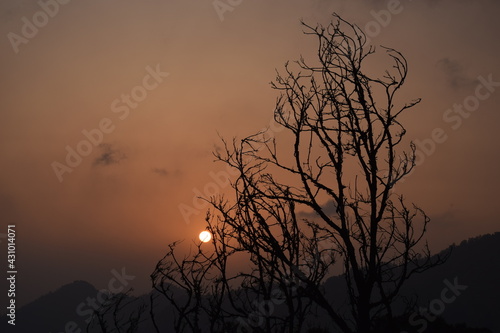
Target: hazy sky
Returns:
[153, 83]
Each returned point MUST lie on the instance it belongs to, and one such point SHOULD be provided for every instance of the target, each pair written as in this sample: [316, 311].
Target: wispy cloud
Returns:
[161, 171]
[109, 155]
[455, 74]
[166, 172]
[329, 208]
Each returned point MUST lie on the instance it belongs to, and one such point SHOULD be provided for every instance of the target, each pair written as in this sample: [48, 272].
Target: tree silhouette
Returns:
[319, 197]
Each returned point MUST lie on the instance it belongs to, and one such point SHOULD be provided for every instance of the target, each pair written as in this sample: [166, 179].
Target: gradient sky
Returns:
[120, 206]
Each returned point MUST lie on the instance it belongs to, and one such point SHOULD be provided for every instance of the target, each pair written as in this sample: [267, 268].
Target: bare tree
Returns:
[321, 196]
[345, 150]
[119, 313]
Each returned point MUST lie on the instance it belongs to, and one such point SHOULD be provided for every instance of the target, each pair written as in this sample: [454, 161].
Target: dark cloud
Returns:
[161, 171]
[109, 155]
[330, 209]
[164, 172]
[455, 74]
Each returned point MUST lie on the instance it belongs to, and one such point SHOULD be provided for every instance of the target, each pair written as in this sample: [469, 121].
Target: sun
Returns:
[205, 236]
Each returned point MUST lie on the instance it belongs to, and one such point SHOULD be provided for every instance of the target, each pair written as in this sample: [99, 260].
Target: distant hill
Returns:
[69, 310]
[474, 263]
[51, 312]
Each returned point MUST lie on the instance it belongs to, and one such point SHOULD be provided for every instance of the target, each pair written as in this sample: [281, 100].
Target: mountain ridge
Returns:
[473, 268]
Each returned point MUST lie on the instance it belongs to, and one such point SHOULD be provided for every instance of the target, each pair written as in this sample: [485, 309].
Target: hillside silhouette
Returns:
[474, 263]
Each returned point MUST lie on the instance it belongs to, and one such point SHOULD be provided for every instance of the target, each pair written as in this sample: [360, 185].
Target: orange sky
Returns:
[103, 65]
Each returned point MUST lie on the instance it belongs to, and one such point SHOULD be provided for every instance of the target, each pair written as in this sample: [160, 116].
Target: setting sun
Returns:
[205, 236]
